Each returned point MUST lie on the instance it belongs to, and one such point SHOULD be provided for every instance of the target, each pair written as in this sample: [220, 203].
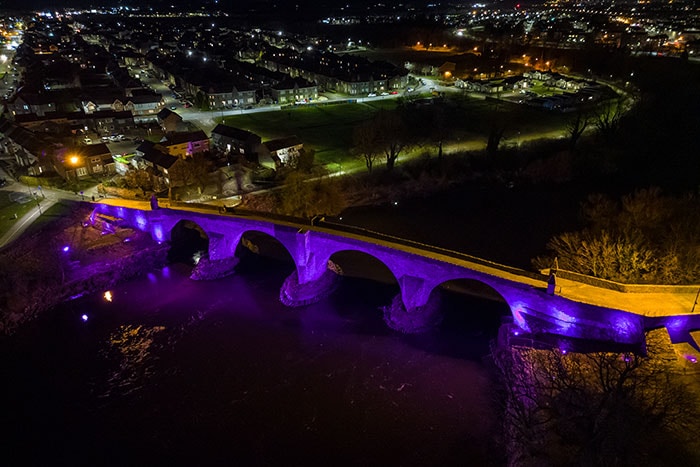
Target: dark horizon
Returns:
[224, 5]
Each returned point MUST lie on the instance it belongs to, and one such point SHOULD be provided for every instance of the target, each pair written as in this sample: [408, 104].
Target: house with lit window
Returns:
[30, 103]
[97, 101]
[186, 144]
[235, 141]
[222, 96]
[293, 90]
[27, 148]
[155, 157]
[73, 163]
[145, 106]
[168, 120]
[280, 151]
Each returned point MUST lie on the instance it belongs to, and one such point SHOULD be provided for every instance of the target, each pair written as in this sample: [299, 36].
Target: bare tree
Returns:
[392, 136]
[607, 120]
[494, 139]
[602, 408]
[365, 140]
[576, 127]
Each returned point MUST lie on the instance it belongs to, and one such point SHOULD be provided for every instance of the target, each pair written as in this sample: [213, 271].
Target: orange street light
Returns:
[74, 160]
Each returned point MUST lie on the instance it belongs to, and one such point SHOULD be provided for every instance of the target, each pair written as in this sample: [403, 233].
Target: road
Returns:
[44, 199]
[206, 121]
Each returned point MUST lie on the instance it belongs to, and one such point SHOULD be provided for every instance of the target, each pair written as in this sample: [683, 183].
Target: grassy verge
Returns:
[8, 209]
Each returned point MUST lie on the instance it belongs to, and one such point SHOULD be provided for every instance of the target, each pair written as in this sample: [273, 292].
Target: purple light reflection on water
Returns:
[201, 363]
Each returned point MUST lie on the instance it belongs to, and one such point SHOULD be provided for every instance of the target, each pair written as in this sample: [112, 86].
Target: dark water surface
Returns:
[179, 372]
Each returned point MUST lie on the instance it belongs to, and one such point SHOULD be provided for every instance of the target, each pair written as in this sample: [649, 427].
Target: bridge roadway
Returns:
[575, 304]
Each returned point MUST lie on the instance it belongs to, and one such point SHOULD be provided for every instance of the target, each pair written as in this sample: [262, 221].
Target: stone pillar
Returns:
[312, 281]
[294, 293]
[413, 320]
[415, 310]
[209, 269]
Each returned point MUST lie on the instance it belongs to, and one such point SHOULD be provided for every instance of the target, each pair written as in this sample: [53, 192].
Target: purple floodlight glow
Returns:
[84, 317]
[624, 327]
[691, 358]
[564, 351]
[516, 333]
[565, 321]
[141, 221]
[676, 323]
[518, 317]
[158, 233]
[66, 248]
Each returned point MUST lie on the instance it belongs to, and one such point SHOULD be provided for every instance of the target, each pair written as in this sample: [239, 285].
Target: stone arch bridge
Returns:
[575, 310]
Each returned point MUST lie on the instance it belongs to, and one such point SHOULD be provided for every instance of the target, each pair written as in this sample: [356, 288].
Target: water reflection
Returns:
[174, 370]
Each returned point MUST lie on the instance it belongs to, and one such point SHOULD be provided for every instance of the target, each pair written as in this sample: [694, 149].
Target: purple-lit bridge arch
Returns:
[418, 269]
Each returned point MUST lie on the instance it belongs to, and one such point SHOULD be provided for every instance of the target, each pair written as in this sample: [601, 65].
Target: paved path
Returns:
[653, 304]
[48, 197]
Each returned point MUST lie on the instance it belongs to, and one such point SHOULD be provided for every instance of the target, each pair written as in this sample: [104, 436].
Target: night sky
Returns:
[230, 5]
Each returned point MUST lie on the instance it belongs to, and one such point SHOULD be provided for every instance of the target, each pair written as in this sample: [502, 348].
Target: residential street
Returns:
[47, 197]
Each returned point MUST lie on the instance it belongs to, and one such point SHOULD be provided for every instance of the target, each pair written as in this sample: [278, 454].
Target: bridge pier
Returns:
[413, 320]
[415, 309]
[294, 293]
[209, 269]
[311, 282]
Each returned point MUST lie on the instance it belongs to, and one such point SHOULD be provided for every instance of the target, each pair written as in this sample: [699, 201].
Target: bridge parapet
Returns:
[579, 310]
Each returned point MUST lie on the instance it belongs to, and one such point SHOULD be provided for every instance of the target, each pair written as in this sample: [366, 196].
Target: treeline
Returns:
[598, 408]
[644, 237]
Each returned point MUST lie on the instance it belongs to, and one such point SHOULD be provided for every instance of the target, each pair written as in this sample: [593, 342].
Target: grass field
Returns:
[325, 128]
[328, 128]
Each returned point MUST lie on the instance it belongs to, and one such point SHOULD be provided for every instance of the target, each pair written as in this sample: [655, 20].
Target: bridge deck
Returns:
[642, 303]
[652, 304]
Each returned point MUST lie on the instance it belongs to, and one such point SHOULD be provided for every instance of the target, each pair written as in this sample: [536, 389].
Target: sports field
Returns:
[326, 128]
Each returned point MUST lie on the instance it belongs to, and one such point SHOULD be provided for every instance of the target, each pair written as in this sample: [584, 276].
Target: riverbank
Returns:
[67, 258]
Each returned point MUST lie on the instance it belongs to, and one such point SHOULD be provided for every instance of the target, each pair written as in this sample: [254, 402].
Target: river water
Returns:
[173, 371]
